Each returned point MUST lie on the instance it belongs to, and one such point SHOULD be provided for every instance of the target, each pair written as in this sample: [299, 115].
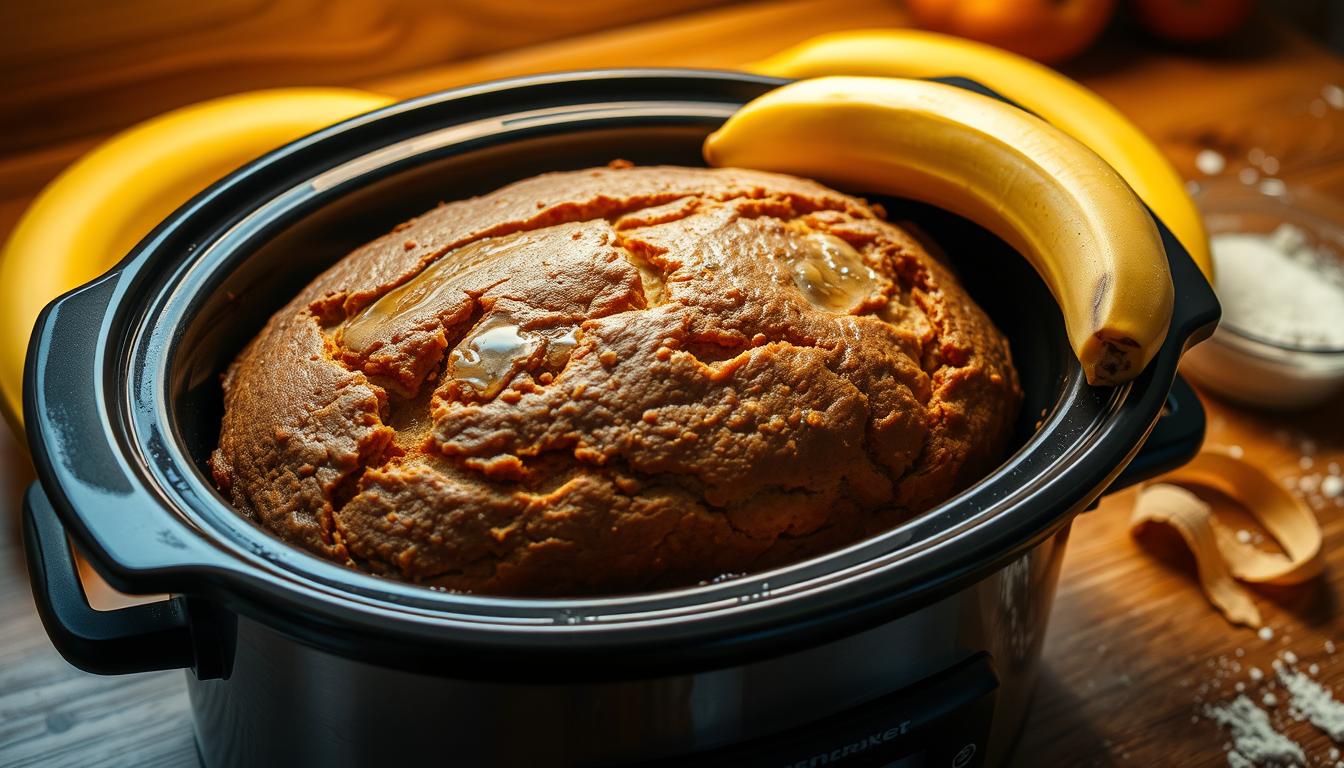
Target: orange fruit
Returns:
[1046, 30]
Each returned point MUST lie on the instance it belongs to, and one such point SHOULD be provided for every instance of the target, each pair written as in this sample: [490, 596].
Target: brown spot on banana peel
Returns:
[1105, 359]
[1099, 294]
[1110, 360]
[1115, 366]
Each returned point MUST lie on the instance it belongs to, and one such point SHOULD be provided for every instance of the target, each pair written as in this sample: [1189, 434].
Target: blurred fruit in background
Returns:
[1046, 30]
[1192, 21]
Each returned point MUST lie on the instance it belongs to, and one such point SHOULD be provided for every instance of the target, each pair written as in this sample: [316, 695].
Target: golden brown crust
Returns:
[613, 380]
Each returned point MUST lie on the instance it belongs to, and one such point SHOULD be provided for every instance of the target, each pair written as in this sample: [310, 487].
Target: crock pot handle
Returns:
[141, 638]
[83, 467]
[1175, 438]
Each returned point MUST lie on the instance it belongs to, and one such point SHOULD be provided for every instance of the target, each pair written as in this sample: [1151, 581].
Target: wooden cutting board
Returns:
[1132, 647]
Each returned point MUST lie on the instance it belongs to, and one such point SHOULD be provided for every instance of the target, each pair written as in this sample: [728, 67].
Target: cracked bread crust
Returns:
[614, 380]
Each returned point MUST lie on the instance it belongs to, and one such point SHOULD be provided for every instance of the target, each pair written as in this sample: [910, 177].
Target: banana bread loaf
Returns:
[615, 380]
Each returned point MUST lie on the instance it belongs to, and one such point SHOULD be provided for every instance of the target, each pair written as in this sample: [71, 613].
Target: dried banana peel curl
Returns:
[1220, 557]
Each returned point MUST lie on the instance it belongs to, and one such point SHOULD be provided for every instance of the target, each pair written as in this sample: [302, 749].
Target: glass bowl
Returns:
[1236, 362]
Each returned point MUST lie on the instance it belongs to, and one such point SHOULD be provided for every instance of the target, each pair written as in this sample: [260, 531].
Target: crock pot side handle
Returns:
[79, 461]
[1175, 439]
[141, 638]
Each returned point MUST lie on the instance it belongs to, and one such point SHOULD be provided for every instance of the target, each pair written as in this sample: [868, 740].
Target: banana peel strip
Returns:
[1180, 509]
[1290, 522]
[1220, 558]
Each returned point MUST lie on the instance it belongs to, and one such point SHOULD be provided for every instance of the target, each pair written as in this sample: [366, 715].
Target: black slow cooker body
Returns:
[296, 658]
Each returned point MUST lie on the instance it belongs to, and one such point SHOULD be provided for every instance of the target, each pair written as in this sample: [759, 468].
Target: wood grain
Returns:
[1131, 640]
[52, 714]
[716, 38]
[71, 68]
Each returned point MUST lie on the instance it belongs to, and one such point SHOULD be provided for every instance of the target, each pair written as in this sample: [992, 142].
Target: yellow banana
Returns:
[1060, 101]
[1054, 200]
[91, 215]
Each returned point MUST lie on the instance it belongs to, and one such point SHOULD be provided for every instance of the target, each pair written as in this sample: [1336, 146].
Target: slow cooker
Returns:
[916, 647]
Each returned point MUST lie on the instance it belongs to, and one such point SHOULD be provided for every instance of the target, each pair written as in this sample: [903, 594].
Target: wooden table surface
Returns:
[1132, 648]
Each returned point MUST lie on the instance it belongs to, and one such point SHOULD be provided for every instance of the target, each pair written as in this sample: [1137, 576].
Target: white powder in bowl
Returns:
[1280, 288]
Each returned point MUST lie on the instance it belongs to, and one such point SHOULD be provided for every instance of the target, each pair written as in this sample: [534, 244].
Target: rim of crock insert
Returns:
[111, 453]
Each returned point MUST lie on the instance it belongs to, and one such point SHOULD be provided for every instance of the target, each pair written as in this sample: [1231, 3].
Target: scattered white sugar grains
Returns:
[1255, 742]
[1333, 95]
[1254, 719]
[1248, 176]
[1235, 451]
[1244, 536]
[1270, 165]
[1273, 187]
[1210, 162]
[1312, 701]
[1333, 486]
[1309, 483]
[1306, 462]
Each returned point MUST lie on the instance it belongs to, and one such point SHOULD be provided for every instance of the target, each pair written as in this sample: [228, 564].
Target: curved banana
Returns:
[1062, 102]
[95, 212]
[1055, 201]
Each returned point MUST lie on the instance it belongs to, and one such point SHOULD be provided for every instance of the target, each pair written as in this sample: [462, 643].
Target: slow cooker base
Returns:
[291, 704]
